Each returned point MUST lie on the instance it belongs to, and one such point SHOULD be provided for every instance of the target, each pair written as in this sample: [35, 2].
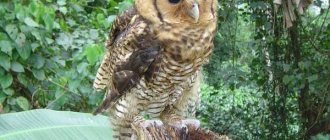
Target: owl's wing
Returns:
[128, 74]
[131, 50]
[119, 25]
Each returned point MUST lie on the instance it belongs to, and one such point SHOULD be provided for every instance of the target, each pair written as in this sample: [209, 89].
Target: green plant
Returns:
[264, 81]
[50, 52]
[56, 125]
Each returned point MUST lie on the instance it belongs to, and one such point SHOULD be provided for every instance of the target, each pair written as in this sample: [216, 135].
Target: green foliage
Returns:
[321, 137]
[281, 81]
[232, 112]
[55, 125]
[264, 81]
[50, 51]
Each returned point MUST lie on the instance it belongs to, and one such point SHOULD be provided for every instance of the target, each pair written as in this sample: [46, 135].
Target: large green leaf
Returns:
[5, 61]
[6, 80]
[39, 74]
[30, 22]
[24, 51]
[17, 67]
[93, 52]
[53, 125]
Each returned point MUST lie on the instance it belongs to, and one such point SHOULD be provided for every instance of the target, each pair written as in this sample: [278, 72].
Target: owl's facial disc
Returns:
[194, 11]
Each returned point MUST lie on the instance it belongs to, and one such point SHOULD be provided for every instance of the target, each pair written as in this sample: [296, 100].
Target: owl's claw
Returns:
[179, 129]
[186, 125]
[191, 123]
[180, 122]
[144, 129]
[140, 122]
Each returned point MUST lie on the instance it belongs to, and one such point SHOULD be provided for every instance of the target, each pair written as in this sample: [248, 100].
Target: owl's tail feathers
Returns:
[110, 98]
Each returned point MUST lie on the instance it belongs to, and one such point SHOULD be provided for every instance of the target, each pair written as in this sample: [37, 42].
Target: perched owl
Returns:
[154, 56]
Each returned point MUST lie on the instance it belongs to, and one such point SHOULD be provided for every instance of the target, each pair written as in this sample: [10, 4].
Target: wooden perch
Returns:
[186, 130]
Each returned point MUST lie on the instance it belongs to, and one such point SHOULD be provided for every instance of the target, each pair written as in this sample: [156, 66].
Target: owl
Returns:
[153, 61]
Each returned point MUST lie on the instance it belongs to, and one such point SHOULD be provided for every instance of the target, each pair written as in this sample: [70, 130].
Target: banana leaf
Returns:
[43, 124]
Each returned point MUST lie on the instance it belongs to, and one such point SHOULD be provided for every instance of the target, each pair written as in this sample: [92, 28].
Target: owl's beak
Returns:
[194, 11]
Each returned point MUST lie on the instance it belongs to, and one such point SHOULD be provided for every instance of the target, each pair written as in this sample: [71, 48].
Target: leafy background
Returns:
[51, 49]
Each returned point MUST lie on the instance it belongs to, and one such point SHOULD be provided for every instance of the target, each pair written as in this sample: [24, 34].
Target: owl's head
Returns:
[178, 11]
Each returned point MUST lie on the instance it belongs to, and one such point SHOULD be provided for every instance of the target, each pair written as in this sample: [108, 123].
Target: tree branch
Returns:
[185, 130]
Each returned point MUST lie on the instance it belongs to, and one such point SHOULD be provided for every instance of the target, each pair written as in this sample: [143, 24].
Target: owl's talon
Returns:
[143, 128]
[192, 123]
[186, 124]
[140, 122]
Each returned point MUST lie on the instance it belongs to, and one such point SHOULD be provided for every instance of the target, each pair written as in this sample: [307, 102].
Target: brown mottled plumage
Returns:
[154, 54]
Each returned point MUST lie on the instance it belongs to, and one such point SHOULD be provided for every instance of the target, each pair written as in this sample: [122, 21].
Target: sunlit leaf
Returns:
[61, 2]
[53, 125]
[6, 80]
[6, 47]
[5, 61]
[12, 31]
[21, 13]
[82, 67]
[9, 91]
[23, 103]
[63, 10]
[94, 34]
[39, 74]
[65, 39]
[24, 51]
[122, 6]
[93, 52]
[23, 79]
[30, 22]
[17, 67]
[49, 21]
[111, 18]
[73, 85]
[21, 39]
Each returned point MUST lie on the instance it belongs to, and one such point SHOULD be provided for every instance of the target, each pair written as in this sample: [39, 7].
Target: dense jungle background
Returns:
[269, 76]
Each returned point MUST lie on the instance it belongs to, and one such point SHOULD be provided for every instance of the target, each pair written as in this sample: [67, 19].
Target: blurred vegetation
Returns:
[264, 81]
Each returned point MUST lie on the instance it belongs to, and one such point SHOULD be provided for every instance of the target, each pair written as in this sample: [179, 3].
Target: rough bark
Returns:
[185, 130]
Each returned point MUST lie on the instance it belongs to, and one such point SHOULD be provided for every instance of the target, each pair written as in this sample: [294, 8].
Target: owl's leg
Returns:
[143, 128]
[156, 106]
[122, 114]
[185, 106]
[153, 109]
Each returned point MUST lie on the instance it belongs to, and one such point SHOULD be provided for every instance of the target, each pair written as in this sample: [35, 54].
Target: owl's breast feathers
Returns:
[164, 55]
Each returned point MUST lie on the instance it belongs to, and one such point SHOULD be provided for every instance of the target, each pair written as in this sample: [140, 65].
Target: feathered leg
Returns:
[185, 106]
[122, 114]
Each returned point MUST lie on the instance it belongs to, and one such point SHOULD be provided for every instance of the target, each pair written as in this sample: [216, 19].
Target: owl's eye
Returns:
[174, 1]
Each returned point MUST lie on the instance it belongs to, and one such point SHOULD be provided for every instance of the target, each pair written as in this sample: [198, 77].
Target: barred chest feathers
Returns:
[184, 50]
